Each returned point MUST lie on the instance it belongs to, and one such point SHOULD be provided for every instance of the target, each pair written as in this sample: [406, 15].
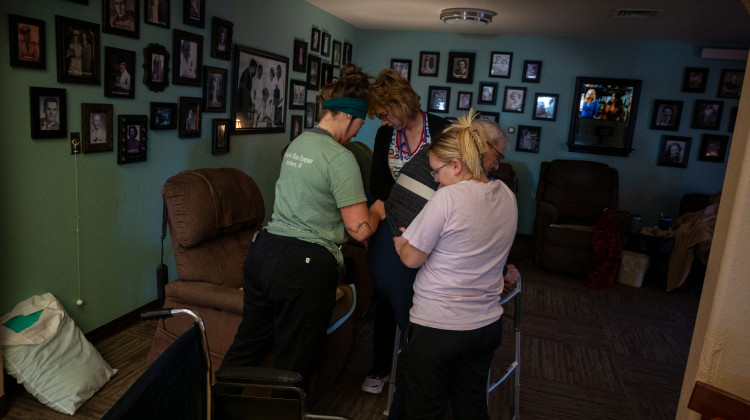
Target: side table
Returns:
[657, 244]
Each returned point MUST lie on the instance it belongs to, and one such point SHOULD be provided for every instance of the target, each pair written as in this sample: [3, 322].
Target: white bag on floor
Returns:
[50, 356]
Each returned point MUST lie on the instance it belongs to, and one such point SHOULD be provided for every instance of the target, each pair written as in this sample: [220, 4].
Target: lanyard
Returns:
[402, 140]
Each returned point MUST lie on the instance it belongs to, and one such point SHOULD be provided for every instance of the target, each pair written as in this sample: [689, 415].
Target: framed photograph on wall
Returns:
[220, 136]
[532, 71]
[221, 38]
[713, 148]
[460, 67]
[97, 126]
[193, 13]
[527, 139]
[133, 138]
[666, 115]
[120, 73]
[429, 62]
[402, 67]
[463, 102]
[296, 127]
[309, 114]
[49, 112]
[487, 93]
[326, 74]
[695, 79]
[347, 55]
[545, 106]
[163, 116]
[187, 50]
[298, 91]
[157, 12]
[514, 99]
[78, 57]
[252, 110]
[189, 124]
[313, 72]
[336, 55]
[215, 89]
[299, 56]
[122, 17]
[732, 119]
[325, 46]
[439, 99]
[315, 40]
[707, 114]
[156, 67]
[28, 43]
[492, 116]
[500, 63]
[674, 151]
[730, 85]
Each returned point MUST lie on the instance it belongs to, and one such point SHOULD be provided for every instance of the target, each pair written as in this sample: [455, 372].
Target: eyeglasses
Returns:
[382, 116]
[434, 173]
[500, 155]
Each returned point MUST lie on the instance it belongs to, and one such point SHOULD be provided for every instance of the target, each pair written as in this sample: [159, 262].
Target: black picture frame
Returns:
[732, 119]
[528, 138]
[194, 13]
[94, 136]
[191, 117]
[222, 32]
[313, 72]
[215, 89]
[346, 57]
[326, 74]
[439, 99]
[463, 101]
[250, 113]
[298, 94]
[299, 56]
[460, 67]
[707, 114]
[318, 109]
[156, 67]
[122, 17]
[157, 12]
[713, 148]
[72, 53]
[730, 84]
[336, 54]
[591, 134]
[674, 151]
[187, 55]
[220, 131]
[666, 115]
[315, 40]
[309, 114]
[28, 42]
[488, 115]
[120, 73]
[163, 116]
[296, 128]
[545, 106]
[132, 141]
[429, 63]
[532, 71]
[514, 99]
[402, 67]
[325, 46]
[500, 64]
[695, 79]
[49, 112]
[487, 94]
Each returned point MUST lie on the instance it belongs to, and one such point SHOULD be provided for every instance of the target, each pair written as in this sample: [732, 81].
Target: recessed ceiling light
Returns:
[467, 17]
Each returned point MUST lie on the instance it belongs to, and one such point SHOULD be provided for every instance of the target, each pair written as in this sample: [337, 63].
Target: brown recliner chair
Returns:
[213, 215]
[570, 196]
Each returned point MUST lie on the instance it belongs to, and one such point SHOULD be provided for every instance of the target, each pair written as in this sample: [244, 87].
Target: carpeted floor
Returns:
[586, 354]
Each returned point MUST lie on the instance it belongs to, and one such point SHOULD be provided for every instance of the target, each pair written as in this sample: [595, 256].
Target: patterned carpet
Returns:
[586, 354]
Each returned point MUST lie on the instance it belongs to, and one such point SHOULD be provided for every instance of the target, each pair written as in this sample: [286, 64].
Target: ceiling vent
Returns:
[635, 13]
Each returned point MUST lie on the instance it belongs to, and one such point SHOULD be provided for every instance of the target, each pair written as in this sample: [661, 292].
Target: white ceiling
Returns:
[724, 23]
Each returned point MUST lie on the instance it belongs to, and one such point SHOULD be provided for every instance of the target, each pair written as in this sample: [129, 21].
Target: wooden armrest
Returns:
[714, 403]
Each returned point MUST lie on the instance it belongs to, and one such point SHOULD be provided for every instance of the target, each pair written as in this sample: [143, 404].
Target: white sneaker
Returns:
[373, 384]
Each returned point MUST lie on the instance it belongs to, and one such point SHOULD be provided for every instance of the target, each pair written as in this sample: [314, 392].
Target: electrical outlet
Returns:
[75, 143]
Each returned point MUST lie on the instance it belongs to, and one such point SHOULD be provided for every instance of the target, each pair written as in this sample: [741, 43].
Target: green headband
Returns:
[355, 107]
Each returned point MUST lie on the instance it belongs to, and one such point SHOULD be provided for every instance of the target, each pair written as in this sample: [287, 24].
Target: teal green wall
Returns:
[120, 205]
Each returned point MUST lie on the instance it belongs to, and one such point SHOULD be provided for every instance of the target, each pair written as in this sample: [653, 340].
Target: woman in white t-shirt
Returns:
[461, 240]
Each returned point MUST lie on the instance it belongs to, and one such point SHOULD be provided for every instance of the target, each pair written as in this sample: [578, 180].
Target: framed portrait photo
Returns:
[439, 99]
[49, 112]
[163, 116]
[194, 13]
[695, 79]
[259, 104]
[463, 101]
[713, 148]
[120, 74]
[545, 106]
[187, 53]
[487, 93]
[732, 118]
[707, 114]
[28, 45]
[318, 109]
[336, 55]
[402, 67]
[527, 139]
[492, 116]
[315, 40]
[97, 127]
[132, 138]
[309, 114]
[221, 38]
[313, 72]
[500, 63]
[298, 90]
[532, 71]
[299, 56]
[666, 115]
[347, 54]
[157, 12]
[325, 46]
[674, 151]
[215, 89]
[460, 67]
[296, 127]
[326, 74]
[122, 17]
[220, 136]
[730, 85]
[77, 51]
[189, 124]
[429, 62]
[514, 99]
[156, 67]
